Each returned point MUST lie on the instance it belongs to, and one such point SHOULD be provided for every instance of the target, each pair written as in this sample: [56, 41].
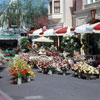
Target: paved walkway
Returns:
[50, 87]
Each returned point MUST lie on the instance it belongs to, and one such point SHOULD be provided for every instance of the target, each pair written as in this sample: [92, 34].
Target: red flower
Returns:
[47, 65]
[24, 72]
[6, 54]
[18, 70]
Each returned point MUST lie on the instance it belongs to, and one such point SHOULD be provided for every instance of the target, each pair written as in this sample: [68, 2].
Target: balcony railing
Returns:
[92, 5]
[55, 16]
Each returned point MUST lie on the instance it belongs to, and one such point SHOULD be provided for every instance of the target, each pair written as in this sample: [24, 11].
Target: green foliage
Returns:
[46, 45]
[24, 44]
[98, 44]
[26, 10]
[70, 44]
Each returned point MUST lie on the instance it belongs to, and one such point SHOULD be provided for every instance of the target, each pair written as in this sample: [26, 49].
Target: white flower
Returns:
[72, 41]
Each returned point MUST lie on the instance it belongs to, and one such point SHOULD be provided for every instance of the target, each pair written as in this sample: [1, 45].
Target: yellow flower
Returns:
[29, 66]
[31, 74]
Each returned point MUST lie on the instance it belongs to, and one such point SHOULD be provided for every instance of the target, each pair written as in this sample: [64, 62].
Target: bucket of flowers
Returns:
[76, 68]
[65, 67]
[85, 70]
[51, 67]
[43, 65]
[89, 71]
[34, 62]
[21, 71]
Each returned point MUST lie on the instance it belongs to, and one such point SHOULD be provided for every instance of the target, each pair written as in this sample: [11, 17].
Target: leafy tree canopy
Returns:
[26, 10]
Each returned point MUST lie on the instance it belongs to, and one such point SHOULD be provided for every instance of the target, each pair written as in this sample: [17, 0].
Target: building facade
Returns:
[60, 13]
[86, 10]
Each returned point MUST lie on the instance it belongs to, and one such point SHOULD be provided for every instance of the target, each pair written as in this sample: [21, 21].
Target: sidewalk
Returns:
[4, 96]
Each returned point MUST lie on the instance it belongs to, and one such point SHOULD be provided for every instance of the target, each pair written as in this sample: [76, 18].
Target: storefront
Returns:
[8, 41]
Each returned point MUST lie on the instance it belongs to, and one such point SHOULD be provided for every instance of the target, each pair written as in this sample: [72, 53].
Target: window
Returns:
[56, 6]
[50, 3]
[91, 1]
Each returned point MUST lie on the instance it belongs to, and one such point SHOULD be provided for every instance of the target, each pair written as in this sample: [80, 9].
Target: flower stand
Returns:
[19, 80]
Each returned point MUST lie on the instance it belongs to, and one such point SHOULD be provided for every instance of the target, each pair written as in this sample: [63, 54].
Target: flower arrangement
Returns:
[65, 67]
[46, 66]
[84, 68]
[34, 61]
[19, 68]
[51, 53]
[41, 50]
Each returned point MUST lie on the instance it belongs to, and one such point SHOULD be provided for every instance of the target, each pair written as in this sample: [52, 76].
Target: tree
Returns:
[26, 10]
[25, 44]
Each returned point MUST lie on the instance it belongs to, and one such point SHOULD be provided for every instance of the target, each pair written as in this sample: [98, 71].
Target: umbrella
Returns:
[50, 32]
[94, 28]
[42, 39]
[63, 31]
[82, 29]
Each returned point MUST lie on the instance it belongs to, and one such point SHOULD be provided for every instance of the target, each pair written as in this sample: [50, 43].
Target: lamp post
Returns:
[93, 13]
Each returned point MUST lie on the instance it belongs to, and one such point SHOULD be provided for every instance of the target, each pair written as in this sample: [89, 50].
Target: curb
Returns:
[5, 96]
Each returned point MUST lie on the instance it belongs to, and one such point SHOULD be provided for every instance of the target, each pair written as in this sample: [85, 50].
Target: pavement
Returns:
[49, 87]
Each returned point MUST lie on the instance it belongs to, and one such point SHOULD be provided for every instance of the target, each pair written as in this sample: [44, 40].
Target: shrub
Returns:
[70, 44]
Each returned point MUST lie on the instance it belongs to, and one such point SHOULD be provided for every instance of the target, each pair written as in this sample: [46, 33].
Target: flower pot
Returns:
[64, 74]
[19, 81]
[99, 73]
[28, 78]
[79, 75]
[50, 72]
[88, 77]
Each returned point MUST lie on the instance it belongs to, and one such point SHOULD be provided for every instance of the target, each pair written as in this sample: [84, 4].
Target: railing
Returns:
[55, 16]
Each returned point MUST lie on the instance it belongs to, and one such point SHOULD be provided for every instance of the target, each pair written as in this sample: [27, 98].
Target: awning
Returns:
[50, 32]
[63, 31]
[9, 37]
[37, 32]
[82, 29]
[94, 28]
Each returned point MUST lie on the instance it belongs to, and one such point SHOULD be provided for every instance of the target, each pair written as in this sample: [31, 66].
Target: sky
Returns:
[7, 1]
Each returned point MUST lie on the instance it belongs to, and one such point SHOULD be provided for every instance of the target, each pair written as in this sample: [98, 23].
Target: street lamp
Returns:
[93, 13]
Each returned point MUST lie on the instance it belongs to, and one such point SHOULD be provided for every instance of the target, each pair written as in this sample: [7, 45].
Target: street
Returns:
[51, 87]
